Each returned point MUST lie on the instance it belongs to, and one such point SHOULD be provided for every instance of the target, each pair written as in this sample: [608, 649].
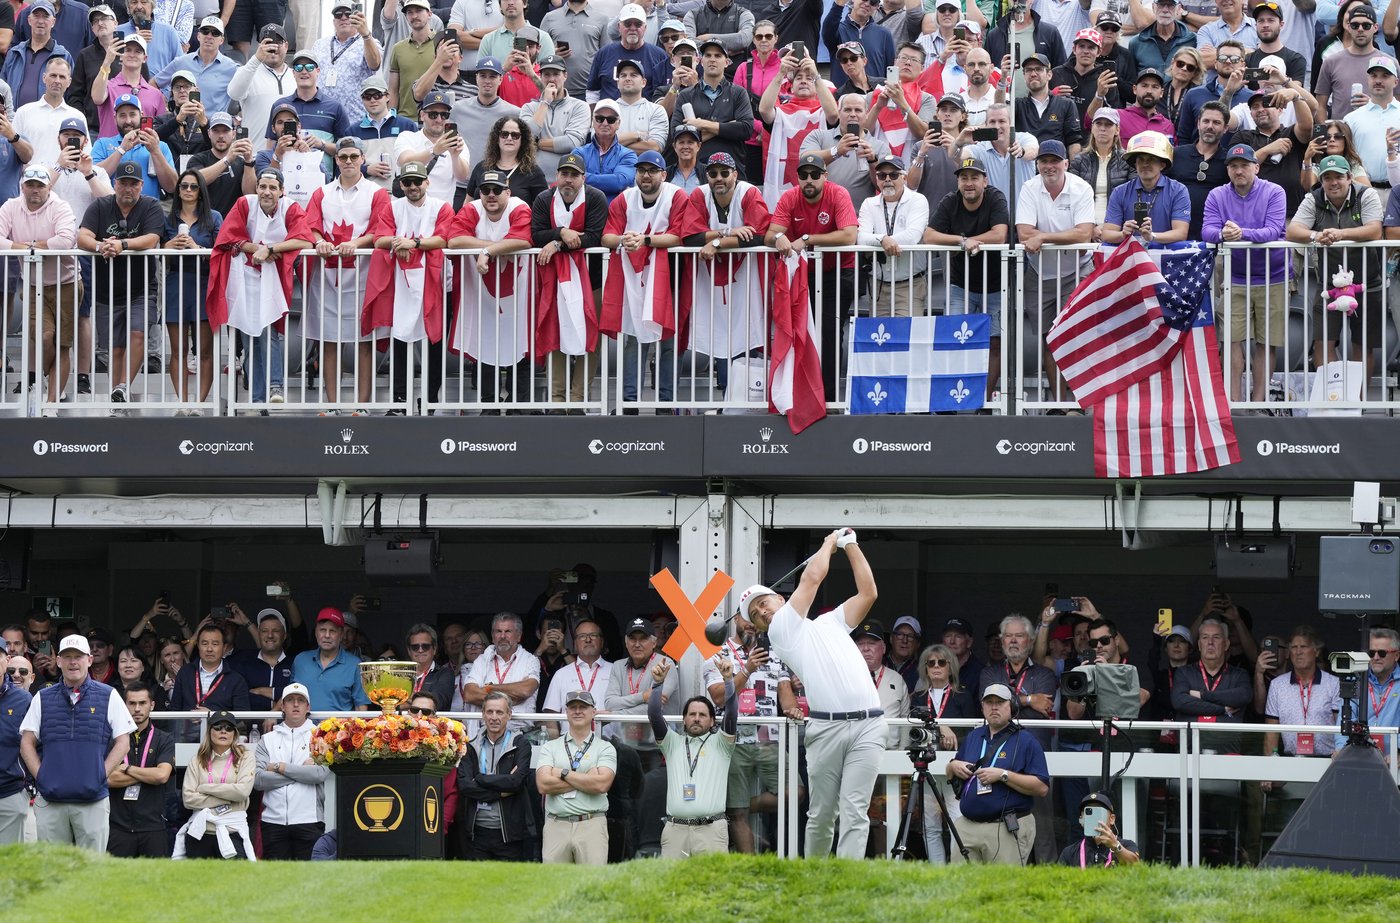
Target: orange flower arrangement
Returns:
[437, 739]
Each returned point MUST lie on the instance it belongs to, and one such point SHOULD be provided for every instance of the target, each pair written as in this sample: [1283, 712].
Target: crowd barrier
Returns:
[1187, 764]
[1306, 359]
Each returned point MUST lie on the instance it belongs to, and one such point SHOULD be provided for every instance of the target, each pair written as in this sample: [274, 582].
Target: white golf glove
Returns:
[845, 537]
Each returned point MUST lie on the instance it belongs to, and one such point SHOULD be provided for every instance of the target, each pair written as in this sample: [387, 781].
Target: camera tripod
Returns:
[922, 755]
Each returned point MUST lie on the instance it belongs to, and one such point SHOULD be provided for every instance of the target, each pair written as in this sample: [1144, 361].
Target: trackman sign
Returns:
[862, 446]
[1007, 447]
[45, 447]
[1267, 447]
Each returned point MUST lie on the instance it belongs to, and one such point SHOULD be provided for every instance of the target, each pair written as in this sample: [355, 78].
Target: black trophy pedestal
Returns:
[390, 809]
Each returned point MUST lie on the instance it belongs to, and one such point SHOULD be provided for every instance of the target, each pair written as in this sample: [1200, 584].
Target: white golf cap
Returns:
[997, 691]
[632, 12]
[297, 689]
[271, 614]
[75, 643]
[911, 622]
[750, 595]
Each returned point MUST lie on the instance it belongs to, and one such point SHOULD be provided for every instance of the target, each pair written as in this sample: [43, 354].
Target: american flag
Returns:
[1137, 345]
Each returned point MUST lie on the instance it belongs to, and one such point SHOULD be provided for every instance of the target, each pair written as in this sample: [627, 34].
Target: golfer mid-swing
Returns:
[846, 730]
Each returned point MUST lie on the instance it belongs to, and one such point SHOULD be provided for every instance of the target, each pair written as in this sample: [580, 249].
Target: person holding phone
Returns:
[130, 56]
[1167, 215]
[716, 106]
[184, 126]
[849, 151]
[207, 62]
[349, 56]
[1100, 845]
[632, 23]
[809, 106]
[521, 81]
[854, 21]
[193, 225]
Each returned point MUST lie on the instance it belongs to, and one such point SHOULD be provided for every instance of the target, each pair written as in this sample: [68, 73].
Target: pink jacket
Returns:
[53, 225]
[764, 73]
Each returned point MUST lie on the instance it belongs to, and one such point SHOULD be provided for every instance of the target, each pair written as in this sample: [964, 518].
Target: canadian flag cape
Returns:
[404, 297]
[638, 296]
[493, 311]
[245, 295]
[727, 317]
[794, 363]
[568, 319]
[893, 127]
[336, 294]
[793, 121]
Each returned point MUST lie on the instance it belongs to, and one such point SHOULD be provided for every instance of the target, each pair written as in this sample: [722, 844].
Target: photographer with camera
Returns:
[1101, 846]
[999, 770]
[569, 596]
[938, 695]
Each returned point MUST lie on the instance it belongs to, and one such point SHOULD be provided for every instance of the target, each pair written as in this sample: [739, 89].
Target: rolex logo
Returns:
[766, 433]
[344, 447]
[766, 445]
[346, 435]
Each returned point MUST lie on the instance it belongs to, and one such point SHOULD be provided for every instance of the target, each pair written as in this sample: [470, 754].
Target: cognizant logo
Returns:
[1007, 447]
[599, 447]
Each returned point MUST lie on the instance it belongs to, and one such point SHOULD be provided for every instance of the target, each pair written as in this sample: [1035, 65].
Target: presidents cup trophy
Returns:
[388, 683]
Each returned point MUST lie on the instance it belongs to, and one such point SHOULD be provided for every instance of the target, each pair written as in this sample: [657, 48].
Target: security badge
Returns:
[688, 791]
[132, 793]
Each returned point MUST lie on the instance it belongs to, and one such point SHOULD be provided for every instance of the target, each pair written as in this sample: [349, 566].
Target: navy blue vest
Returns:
[74, 741]
[14, 704]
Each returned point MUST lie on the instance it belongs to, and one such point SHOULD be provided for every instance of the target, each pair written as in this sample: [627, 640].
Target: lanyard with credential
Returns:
[947, 697]
[223, 778]
[200, 696]
[692, 763]
[1205, 678]
[576, 759]
[1385, 696]
[1082, 859]
[995, 756]
[146, 750]
[497, 748]
[592, 677]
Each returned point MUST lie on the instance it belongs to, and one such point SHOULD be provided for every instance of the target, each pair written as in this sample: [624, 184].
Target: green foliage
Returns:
[44, 883]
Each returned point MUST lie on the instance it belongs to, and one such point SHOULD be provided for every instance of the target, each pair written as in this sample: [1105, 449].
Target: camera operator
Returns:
[552, 653]
[939, 695]
[1383, 704]
[1000, 769]
[1105, 639]
[569, 596]
[1104, 848]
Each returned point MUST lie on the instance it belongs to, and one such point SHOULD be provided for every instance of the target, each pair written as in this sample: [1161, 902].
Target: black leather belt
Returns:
[694, 821]
[847, 715]
[998, 818]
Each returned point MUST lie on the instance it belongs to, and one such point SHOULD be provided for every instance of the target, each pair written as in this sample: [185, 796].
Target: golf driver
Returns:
[717, 626]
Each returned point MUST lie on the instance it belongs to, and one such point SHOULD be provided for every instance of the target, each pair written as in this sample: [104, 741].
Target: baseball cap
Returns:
[224, 718]
[954, 99]
[889, 160]
[379, 84]
[753, 592]
[549, 62]
[265, 614]
[968, 163]
[528, 33]
[1106, 113]
[1098, 798]
[572, 162]
[632, 12]
[1275, 63]
[628, 62]
[100, 636]
[969, 25]
[132, 39]
[1147, 72]
[870, 628]
[812, 160]
[185, 76]
[493, 178]
[80, 125]
[489, 64]
[342, 5]
[103, 9]
[1382, 61]
[284, 107]
[304, 54]
[423, 3]
[955, 624]
[1362, 10]
[127, 170]
[414, 168]
[1182, 632]
[1241, 152]
[1036, 58]
[127, 99]
[349, 142]
[1334, 163]
[435, 98]
[711, 41]
[686, 42]
[580, 695]
[332, 615]
[274, 31]
[1268, 6]
[1054, 149]
[1109, 20]
[855, 48]
[212, 22]
[953, 3]
[686, 130]
[642, 625]
[721, 159]
[44, 5]
[274, 173]
[220, 118]
[75, 642]
[1089, 35]
[1062, 632]
[651, 159]
[671, 25]
[607, 104]
[996, 691]
[297, 689]
[350, 620]
[911, 622]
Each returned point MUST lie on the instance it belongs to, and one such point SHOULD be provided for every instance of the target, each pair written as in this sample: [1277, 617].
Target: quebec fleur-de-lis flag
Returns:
[919, 364]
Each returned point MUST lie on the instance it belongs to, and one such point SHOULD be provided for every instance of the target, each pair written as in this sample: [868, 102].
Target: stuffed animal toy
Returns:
[1343, 292]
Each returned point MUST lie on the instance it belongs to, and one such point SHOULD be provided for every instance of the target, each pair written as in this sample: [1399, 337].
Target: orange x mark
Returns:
[690, 616]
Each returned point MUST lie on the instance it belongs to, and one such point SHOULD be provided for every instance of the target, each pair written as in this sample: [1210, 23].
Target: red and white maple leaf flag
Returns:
[795, 364]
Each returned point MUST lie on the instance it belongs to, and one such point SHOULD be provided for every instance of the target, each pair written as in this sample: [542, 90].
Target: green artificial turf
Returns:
[50, 884]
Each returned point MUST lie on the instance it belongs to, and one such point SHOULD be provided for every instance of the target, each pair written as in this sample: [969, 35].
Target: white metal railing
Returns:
[1192, 762]
[321, 364]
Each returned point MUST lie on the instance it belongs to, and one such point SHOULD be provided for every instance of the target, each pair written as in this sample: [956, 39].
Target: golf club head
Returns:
[717, 628]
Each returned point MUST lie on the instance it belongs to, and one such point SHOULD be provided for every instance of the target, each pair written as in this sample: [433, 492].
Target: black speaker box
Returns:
[1253, 562]
[401, 560]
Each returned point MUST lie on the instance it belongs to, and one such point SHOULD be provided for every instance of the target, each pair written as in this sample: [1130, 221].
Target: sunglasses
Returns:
[672, 39]
[719, 172]
[303, 68]
[340, 14]
[808, 174]
[372, 94]
[1107, 28]
[885, 175]
[1230, 58]
[347, 156]
[847, 59]
[509, 134]
[191, 187]
[420, 647]
[209, 32]
[223, 729]
[491, 191]
[411, 181]
[1102, 642]
[416, 710]
[934, 662]
[16, 671]
[609, 119]
[1361, 25]
[434, 114]
[766, 37]
[1332, 137]
[1186, 66]
[1376, 653]
[1201, 171]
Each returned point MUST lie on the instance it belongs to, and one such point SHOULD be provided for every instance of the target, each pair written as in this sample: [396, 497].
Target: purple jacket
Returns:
[1261, 216]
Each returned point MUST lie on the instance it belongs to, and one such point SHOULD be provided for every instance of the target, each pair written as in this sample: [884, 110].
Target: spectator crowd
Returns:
[249, 133]
[639, 787]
